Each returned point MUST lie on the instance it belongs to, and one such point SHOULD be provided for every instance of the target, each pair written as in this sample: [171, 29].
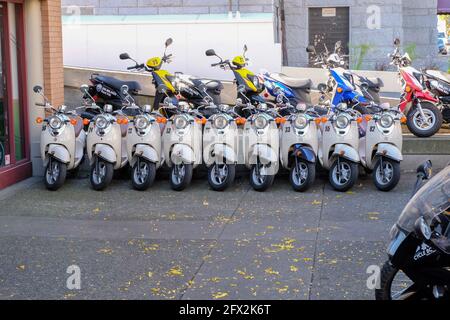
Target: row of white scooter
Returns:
[341, 141]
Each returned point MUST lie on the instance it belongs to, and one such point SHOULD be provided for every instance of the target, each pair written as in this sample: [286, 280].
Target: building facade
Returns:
[30, 54]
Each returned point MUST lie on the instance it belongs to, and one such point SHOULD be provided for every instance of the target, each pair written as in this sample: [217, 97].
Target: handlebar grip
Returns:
[131, 68]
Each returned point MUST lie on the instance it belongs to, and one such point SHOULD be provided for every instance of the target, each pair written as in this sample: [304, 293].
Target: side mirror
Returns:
[310, 49]
[426, 169]
[37, 89]
[124, 56]
[162, 88]
[337, 45]
[322, 87]
[169, 42]
[364, 86]
[84, 88]
[396, 42]
[210, 53]
[245, 49]
[124, 89]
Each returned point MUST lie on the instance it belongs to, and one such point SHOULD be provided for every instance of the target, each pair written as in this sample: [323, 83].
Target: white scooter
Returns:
[182, 141]
[338, 147]
[106, 144]
[261, 145]
[380, 148]
[62, 142]
[143, 144]
[221, 145]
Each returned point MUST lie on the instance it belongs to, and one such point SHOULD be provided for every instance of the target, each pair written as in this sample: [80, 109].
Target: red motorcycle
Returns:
[424, 117]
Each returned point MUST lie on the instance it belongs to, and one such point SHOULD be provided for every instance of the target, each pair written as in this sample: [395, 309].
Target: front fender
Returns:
[389, 151]
[145, 151]
[265, 153]
[305, 153]
[58, 152]
[224, 152]
[182, 153]
[347, 152]
[105, 152]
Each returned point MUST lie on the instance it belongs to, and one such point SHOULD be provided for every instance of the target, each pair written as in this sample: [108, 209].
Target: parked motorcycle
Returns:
[221, 145]
[106, 144]
[439, 85]
[62, 142]
[380, 149]
[182, 140]
[419, 251]
[143, 144]
[424, 118]
[338, 147]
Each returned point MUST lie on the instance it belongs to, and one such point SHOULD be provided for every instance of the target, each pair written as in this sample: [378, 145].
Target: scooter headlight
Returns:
[101, 123]
[386, 121]
[300, 122]
[180, 122]
[141, 122]
[261, 122]
[220, 122]
[342, 122]
[55, 122]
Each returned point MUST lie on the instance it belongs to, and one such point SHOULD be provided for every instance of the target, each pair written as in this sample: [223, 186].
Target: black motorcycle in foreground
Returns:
[419, 251]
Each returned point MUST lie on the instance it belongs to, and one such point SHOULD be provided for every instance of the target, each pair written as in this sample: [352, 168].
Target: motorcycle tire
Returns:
[221, 185]
[353, 176]
[260, 186]
[387, 276]
[395, 178]
[142, 183]
[108, 172]
[53, 183]
[299, 184]
[181, 184]
[423, 133]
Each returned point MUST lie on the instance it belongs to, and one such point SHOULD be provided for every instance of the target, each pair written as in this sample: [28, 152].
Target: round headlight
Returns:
[101, 122]
[180, 122]
[141, 122]
[220, 122]
[261, 122]
[386, 121]
[342, 122]
[55, 122]
[300, 122]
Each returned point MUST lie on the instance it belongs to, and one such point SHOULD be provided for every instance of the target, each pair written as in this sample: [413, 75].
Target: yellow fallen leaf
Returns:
[271, 271]
[283, 289]
[215, 279]
[150, 274]
[316, 202]
[175, 271]
[219, 295]
[269, 227]
[205, 203]
[294, 268]
[21, 267]
[105, 251]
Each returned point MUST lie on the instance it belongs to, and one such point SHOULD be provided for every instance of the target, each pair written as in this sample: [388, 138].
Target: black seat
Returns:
[117, 84]
[294, 83]
[210, 84]
[372, 82]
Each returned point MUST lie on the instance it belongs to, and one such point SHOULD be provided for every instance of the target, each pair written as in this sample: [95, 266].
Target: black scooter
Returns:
[419, 252]
[439, 85]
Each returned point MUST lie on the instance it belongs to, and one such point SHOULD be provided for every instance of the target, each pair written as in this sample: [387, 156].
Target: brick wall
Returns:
[52, 50]
[136, 7]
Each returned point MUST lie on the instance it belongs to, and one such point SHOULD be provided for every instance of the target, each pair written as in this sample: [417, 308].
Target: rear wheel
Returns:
[101, 174]
[258, 180]
[386, 174]
[302, 175]
[55, 174]
[181, 176]
[394, 284]
[426, 124]
[221, 176]
[143, 174]
[343, 174]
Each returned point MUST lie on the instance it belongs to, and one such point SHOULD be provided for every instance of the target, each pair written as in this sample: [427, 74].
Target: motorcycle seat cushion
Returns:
[439, 75]
[210, 84]
[117, 84]
[295, 83]
[374, 82]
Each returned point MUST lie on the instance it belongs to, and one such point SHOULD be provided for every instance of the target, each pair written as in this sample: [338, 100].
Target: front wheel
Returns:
[221, 176]
[258, 180]
[394, 285]
[302, 175]
[55, 174]
[181, 176]
[386, 174]
[426, 124]
[143, 174]
[343, 174]
[101, 174]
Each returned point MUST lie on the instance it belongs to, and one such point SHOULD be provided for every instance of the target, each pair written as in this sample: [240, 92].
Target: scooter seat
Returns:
[373, 82]
[294, 83]
[117, 84]
[209, 84]
[78, 126]
[438, 75]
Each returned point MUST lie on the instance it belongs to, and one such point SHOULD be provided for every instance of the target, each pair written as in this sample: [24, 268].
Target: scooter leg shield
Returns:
[346, 152]
[223, 153]
[58, 152]
[305, 153]
[182, 154]
[146, 152]
[105, 152]
[389, 151]
[265, 154]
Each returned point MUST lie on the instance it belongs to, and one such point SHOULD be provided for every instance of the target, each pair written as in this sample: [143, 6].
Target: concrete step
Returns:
[436, 145]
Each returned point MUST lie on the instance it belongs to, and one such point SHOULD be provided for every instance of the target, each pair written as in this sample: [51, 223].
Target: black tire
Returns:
[101, 181]
[352, 176]
[387, 276]
[257, 185]
[394, 176]
[181, 184]
[228, 181]
[142, 179]
[54, 180]
[417, 131]
[301, 184]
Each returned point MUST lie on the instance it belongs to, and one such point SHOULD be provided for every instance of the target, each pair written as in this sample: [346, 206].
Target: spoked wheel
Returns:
[386, 174]
[343, 174]
[302, 175]
[259, 179]
[221, 176]
[55, 174]
[101, 174]
[395, 285]
[425, 123]
[143, 174]
[180, 176]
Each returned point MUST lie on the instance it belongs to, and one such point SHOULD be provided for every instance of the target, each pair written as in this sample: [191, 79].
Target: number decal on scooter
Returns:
[288, 129]
[372, 128]
[327, 129]
[168, 130]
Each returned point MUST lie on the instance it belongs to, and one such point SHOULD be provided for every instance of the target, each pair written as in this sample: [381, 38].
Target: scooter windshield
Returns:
[431, 200]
